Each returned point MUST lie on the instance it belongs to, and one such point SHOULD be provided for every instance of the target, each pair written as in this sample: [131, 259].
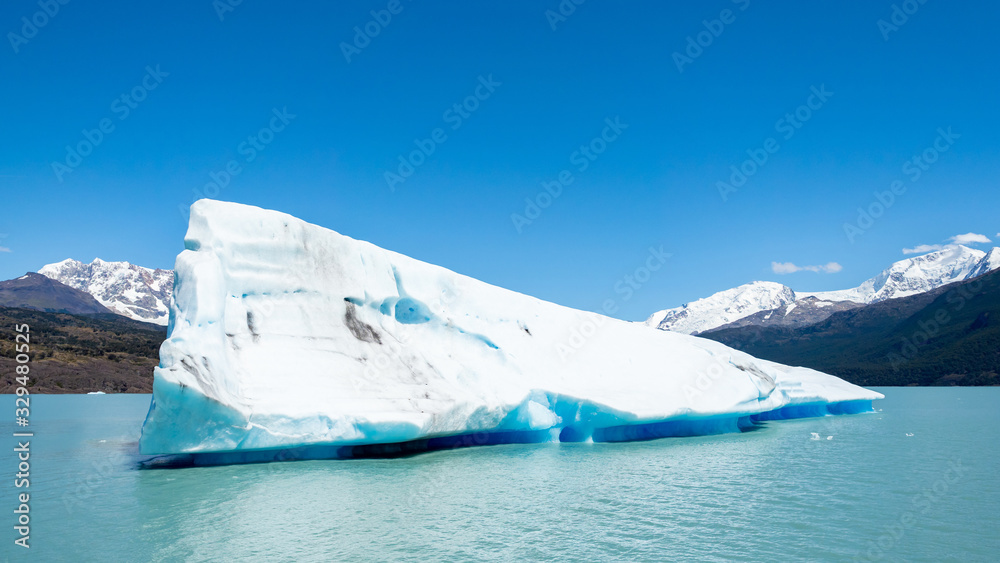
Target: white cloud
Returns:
[970, 238]
[922, 249]
[4, 249]
[967, 238]
[784, 268]
[790, 268]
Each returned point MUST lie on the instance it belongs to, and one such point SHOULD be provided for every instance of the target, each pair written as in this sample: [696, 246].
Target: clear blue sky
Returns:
[655, 184]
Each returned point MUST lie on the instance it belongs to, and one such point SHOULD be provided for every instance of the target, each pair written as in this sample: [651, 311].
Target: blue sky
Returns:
[198, 87]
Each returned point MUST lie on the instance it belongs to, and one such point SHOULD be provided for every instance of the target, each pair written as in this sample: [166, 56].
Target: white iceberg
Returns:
[287, 335]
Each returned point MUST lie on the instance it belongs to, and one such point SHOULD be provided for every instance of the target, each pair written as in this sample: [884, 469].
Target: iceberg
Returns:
[289, 337]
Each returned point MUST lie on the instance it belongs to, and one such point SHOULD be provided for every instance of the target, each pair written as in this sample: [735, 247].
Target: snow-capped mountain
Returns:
[723, 307]
[132, 291]
[907, 277]
[989, 263]
[915, 275]
[805, 311]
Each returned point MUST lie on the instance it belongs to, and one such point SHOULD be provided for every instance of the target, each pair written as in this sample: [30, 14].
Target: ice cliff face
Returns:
[288, 335]
[132, 291]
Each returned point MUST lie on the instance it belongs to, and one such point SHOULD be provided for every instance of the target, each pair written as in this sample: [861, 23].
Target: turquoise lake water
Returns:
[919, 480]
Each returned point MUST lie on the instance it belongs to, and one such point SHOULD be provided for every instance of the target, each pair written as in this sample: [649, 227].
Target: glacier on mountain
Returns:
[285, 336]
[132, 291]
[988, 263]
[740, 305]
[914, 275]
[723, 307]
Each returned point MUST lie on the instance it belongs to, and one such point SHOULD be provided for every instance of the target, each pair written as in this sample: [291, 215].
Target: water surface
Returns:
[916, 481]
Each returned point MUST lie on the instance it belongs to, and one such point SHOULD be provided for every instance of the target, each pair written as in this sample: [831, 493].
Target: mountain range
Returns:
[35, 291]
[763, 303]
[949, 335]
[141, 294]
[82, 341]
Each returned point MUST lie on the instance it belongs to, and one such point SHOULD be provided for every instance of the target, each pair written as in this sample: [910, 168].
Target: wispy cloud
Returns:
[922, 249]
[967, 238]
[790, 268]
[4, 249]
[970, 238]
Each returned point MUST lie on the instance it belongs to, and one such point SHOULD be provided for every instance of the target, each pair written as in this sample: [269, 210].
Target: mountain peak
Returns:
[910, 276]
[723, 307]
[65, 263]
[35, 291]
[988, 263]
[133, 291]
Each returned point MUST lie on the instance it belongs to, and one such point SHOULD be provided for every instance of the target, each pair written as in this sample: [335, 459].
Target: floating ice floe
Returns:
[289, 341]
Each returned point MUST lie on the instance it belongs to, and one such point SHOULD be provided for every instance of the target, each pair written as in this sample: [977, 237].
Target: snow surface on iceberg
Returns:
[286, 335]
